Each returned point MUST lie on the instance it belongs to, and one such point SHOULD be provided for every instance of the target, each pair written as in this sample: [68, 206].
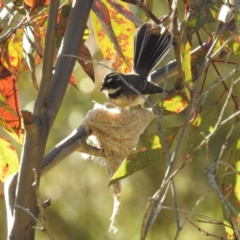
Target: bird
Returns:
[124, 90]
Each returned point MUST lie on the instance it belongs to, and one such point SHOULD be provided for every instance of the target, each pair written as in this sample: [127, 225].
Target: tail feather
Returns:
[149, 49]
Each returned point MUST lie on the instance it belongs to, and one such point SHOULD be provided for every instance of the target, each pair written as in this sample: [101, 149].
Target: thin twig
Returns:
[47, 59]
[207, 233]
[44, 228]
[192, 212]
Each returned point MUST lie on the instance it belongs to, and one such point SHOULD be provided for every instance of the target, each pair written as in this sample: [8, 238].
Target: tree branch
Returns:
[64, 66]
[47, 59]
[74, 142]
[38, 128]
[32, 154]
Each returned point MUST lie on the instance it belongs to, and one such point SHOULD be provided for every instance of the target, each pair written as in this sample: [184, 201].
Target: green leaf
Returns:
[201, 127]
[230, 184]
[151, 152]
[185, 49]
[201, 12]
[236, 33]
[197, 57]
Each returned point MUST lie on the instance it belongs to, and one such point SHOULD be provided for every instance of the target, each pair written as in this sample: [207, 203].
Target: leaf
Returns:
[33, 48]
[151, 152]
[36, 3]
[174, 104]
[233, 32]
[12, 49]
[84, 52]
[87, 66]
[1, 190]
[10, 117]
[236, 33]
[125, 12]
[1, 3]
[9, 163]
[7, 13]
[202, 126]
[28, 51]
[4, 104]
[62, 23]
[230, 185]
[114, 34]
[39, 39]
[200, 13]
[73, 81]
[197, 57]
[12, 57]
[185, 50]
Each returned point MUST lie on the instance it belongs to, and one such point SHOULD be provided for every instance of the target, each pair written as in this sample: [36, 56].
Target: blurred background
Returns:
[82, 202]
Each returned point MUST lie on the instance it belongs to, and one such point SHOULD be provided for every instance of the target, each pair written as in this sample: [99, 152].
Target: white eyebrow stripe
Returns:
[109, 80]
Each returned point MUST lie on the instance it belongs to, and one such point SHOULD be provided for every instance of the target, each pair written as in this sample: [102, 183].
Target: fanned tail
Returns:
[149, 48]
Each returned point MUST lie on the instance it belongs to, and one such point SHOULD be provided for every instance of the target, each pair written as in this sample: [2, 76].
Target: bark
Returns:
[23, 209]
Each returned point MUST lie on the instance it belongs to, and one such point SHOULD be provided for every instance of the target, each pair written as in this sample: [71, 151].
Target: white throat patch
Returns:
[112, 90]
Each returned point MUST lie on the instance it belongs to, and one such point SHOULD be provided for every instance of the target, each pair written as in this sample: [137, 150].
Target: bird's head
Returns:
[111, 83]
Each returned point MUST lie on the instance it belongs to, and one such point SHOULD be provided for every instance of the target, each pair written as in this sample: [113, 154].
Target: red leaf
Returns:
[10, 117]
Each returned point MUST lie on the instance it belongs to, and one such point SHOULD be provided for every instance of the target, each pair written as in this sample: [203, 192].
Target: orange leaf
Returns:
[73, 81]
[36, 3]
[10, 117]
[12, 49]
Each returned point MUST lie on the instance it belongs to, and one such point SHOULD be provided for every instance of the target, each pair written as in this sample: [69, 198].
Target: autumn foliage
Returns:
[203, 60]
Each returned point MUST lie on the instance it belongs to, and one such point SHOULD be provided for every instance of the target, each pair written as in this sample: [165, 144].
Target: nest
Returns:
[117, 131]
